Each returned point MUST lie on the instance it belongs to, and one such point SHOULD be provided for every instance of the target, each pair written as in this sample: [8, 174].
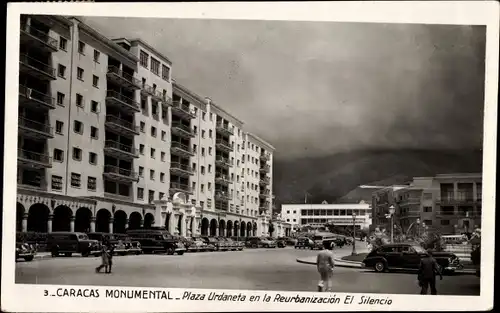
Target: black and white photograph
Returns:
[254, 160]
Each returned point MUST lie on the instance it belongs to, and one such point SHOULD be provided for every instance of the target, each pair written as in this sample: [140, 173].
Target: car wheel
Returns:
[380, 266]
[254, 245]
[170, 251]
[180, 252]
[29, 258]
[68, 254]
[55, 254]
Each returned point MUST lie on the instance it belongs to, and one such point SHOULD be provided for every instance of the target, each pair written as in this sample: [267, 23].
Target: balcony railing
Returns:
[224, 145]
[153, 92]
[221, 161]
[39, 66]
[264, 181]
[174, 186]
[264, 157]
[221, 195]
[224, 128]
[123, 124]
[182, 109]
[40, 36]
[265, 168]
[34, 158]
[182, 167]
[37, 97]
[121, 172]
[122, 148]
[124, 101]
[124, 78]
[182, 129]
[42, 128]
[177, 146]
[222, 179]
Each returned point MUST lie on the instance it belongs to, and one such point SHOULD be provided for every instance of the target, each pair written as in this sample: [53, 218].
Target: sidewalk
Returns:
[42, 255]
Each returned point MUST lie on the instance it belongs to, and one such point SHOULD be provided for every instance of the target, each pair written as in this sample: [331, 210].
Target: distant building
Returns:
[382, 200]
[317, 215]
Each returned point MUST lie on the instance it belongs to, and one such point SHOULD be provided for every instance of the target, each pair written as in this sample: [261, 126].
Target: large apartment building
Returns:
[448, 203]
[109, 141]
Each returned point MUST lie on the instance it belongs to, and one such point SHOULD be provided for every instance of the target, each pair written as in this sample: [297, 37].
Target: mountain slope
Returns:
[331, 177]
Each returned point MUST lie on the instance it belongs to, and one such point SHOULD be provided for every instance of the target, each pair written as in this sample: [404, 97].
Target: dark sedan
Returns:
[407, 256]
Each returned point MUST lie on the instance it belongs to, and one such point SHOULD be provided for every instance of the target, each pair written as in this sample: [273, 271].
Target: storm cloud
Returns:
[318, 88]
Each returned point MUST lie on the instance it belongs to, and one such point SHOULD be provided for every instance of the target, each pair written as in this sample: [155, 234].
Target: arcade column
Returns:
[92, 224]
[126, 223]
[49, 223]
[25, 222]
[72, 224]
[111, 220]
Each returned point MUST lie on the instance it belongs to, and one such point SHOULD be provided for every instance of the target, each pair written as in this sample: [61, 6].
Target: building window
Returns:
[143, 127]
[427, 209]
[91, 183]
[58, 155]
[202, 134]
[60, 98]
[79, 73]
[141, 171]
[151, 195]
[203, 115]
[202, 151]
[162, 177]
[81, 47]
[202, 169]
[428, 222]
[165, 72]
[140, 193]
[161, 195]
[202, 188]
[79, 100]
[94, 132]
[144, 59]
[95, 81]
[78, 127]
[92, 158]
[94, 106]
[141, 149]
[153, 131]
[77, 154]
[61, 71]
[155, 66]
[153, 153]
[59, 127]
[63, 43]
[152, 174]
[445, 222]
[162, 156]
[97, 55]
[56, 183]
[76, 180]
[163, 135]
[209, 150]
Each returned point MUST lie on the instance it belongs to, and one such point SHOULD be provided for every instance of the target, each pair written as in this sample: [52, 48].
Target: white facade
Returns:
[319, 214]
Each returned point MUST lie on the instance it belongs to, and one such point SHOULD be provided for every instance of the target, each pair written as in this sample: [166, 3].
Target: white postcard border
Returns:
[26, 298]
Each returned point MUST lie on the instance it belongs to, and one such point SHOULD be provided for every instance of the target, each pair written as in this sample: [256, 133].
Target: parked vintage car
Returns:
[260, 242]
[157, 239]
[102, 237]
[25, 251]
[291, 241]
[237, 245]
[68, 243]
[240, 241]
[281, 242]
[407, 256]
[131, 246]
[304, 243]
[230, 244]
[219, 245]
[198, 244]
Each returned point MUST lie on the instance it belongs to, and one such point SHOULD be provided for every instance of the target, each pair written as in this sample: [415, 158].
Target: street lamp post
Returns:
[391, 212]
[353, 234]
[418, 227]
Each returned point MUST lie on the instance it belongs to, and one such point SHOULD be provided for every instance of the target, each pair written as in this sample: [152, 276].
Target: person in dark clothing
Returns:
[110, 258]
[104, 258]
[427, 272]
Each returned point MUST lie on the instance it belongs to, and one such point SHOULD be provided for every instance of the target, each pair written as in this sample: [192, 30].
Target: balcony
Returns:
[180, 149]
[33, 36]
[118, 100]
[221, 205]
[36, 68]
[449, 198]
[458, 214]
[178, 187]
[119, 174]
[120, 126]
[223, 129]
[222, 179]
[223, 162]
[223, 145]
[182, 110]
[265, 169]
[264, 194]
[182, 130]
[122, 78]
[120, 150]
[264, 157]
[29, 96]
[264, 181]
[32, 159]
[180, 169]
[34, 129]
[222, 196]
[147, 90]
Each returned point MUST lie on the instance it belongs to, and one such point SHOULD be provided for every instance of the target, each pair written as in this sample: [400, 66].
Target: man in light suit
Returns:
[325, 265]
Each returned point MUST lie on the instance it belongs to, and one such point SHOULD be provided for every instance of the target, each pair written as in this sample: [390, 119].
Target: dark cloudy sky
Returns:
[316, 88]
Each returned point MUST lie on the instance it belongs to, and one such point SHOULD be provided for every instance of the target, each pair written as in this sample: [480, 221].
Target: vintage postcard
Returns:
[300, 156]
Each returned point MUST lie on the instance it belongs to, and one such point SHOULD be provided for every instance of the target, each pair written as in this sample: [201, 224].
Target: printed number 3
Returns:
[45, 293]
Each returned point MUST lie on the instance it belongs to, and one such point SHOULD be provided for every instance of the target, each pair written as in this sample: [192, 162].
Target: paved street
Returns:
[261, 269]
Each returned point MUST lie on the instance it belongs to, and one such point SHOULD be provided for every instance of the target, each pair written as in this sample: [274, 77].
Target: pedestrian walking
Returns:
[325, 265]
[104, 258]
[427, 272]
[110, 252]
